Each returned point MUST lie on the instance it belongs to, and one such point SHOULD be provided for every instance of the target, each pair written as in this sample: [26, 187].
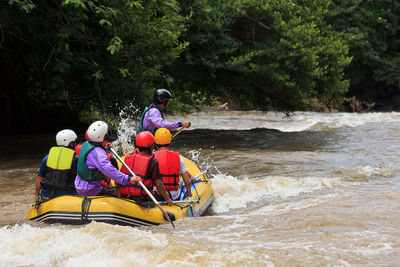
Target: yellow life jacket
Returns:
[60, 158]
[59, 174]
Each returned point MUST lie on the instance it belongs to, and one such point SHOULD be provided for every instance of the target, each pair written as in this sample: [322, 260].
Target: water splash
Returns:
[128, 124]
[203, 162]
[96, 244]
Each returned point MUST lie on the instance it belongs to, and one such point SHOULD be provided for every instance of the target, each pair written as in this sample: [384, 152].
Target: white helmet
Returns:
[97, 131]
[64, 137]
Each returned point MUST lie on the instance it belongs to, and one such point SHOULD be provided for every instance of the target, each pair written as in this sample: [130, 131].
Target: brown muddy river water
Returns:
[312, 189]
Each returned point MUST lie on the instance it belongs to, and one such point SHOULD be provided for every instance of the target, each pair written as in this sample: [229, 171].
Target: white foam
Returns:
[96, 244]
[360, 172]
[290, 206]
[233, 193]
[296, 122]
[378, 243]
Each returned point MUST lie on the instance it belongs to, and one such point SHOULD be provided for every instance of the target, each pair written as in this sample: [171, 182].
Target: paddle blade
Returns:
[165, 215]
[170, 215]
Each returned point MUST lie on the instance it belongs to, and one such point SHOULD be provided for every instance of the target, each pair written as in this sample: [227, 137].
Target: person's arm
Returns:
[186, 176]
[40, 177]
[154, 116]
[188, 183]
[163, 192]
[101, 161]
[186, 124]
[156, 176]
[74, 165]
[38, 186]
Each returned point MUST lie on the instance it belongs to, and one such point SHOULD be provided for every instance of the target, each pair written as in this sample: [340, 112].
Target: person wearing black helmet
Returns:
[152, 117]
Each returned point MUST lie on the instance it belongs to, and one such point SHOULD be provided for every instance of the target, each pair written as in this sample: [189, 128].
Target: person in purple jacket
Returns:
[152, 117]
[93, 164]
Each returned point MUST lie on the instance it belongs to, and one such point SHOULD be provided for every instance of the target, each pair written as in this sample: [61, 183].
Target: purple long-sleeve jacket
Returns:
[153, 119]
[97, 158]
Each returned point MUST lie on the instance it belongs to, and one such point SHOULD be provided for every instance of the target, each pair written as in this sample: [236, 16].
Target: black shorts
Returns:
[107, 191]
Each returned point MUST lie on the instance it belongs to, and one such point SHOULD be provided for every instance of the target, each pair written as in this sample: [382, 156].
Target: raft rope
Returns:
[85, 209]
[195, 189]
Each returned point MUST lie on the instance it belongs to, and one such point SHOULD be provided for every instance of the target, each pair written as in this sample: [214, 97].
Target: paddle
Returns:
[144, 188]
[181, 201]
[178, 132]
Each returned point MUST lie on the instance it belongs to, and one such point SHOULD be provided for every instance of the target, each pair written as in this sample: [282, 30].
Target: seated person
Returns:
[58, 168]
[106, 182]
[171, 165]
[94, 164]
[143, 163]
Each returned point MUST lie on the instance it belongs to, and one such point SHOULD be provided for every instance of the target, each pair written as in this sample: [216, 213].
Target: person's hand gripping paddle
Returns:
[144, 188]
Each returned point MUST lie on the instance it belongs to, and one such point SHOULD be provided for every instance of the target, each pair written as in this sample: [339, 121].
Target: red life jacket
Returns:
[170, 164]
[138, 163]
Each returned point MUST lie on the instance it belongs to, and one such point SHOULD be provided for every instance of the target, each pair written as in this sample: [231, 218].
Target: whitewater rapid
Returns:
[310, 189]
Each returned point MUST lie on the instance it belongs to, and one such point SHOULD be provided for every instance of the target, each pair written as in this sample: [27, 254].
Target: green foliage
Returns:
[187, 101]
[84, 56]
[89, 53]
[263, 54]
[25, 5]
[373, 32]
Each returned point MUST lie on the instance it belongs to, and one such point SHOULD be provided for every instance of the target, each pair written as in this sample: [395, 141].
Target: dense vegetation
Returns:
[64, 61]
[372, 30]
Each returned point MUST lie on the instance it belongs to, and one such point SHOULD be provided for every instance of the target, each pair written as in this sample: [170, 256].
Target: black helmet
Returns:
[161, 94]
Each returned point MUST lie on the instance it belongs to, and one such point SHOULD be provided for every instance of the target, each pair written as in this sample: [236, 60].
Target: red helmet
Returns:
[144, 139]
[87, 136]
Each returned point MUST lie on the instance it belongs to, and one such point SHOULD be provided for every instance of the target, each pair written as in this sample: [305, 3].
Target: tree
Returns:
[63, 57]
[373, 34]
[265, 54]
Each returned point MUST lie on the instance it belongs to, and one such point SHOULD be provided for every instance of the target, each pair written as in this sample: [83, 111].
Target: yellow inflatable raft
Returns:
[81, 210]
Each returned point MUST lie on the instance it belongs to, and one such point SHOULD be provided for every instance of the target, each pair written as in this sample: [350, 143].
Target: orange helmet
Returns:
[163, 136]
[144, 139]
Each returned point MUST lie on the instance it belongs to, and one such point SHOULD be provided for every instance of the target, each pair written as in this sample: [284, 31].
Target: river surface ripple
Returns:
[312, 189]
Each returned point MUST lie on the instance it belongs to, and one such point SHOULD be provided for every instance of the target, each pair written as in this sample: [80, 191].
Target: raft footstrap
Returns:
[85, 209]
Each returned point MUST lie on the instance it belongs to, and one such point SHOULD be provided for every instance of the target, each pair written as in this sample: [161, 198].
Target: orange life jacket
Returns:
[138, 163]
[169, 162]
